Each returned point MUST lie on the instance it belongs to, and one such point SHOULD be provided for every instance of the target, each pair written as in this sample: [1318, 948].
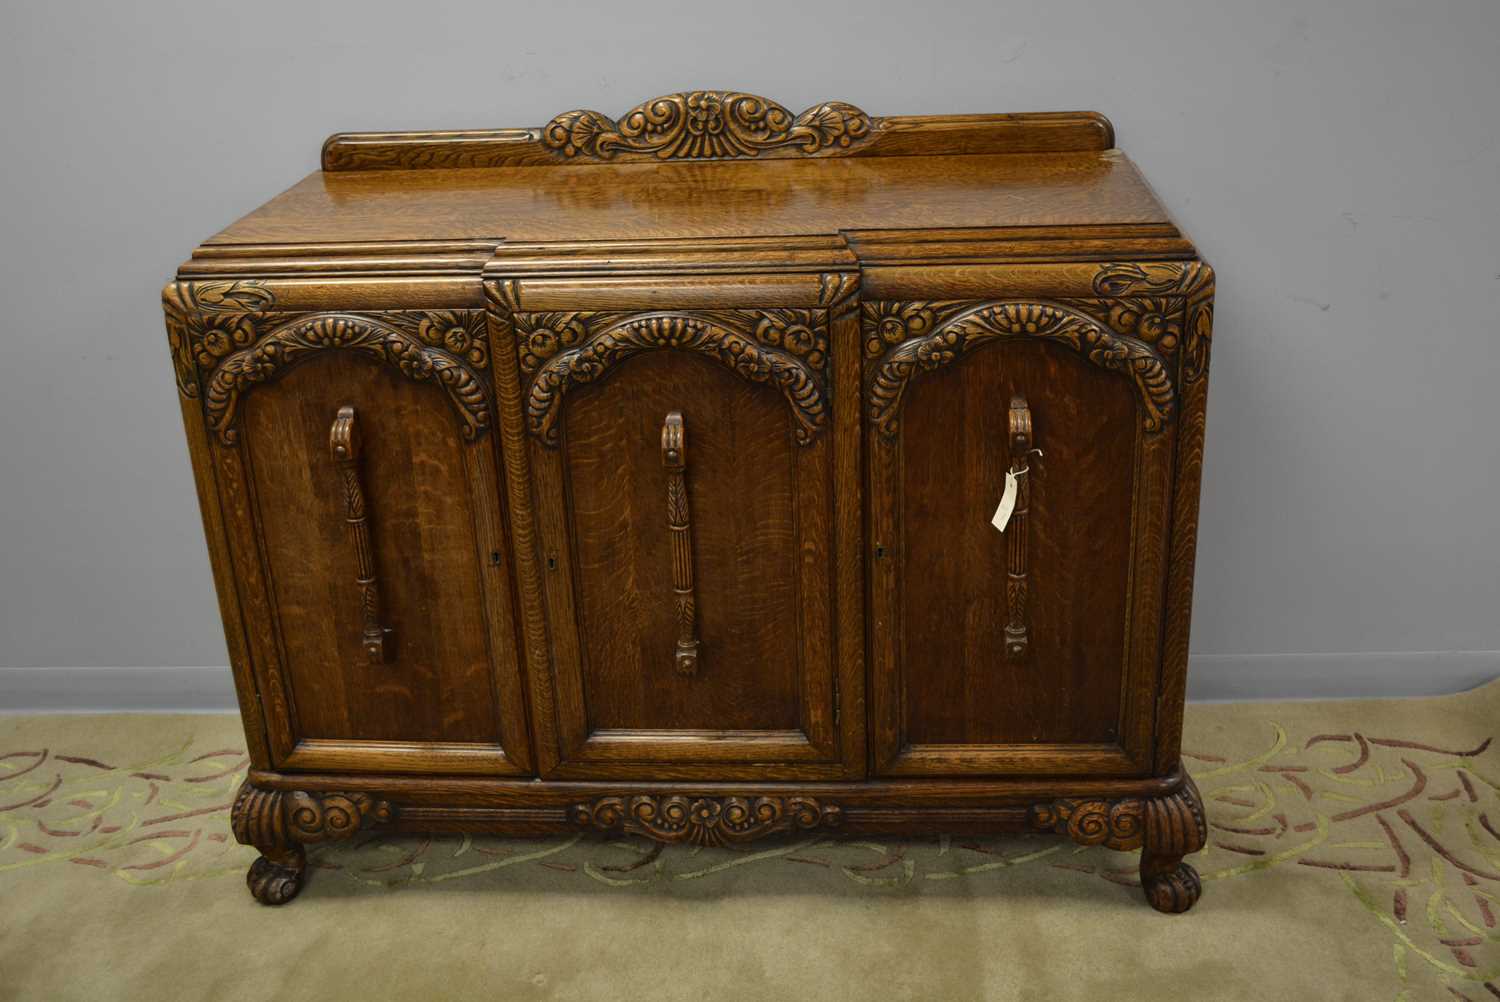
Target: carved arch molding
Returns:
[786, 349]
[1144, 316]
[225, 341]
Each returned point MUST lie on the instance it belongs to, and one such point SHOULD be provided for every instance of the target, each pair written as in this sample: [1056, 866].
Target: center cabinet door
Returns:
[686, 500]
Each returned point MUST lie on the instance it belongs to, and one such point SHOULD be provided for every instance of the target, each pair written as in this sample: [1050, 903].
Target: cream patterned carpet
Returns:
[1354, 853]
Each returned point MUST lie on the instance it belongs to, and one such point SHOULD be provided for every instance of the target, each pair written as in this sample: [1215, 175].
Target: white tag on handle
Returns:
[1007, 503]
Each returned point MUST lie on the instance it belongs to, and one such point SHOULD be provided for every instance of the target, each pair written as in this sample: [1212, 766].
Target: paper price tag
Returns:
[1007, 503]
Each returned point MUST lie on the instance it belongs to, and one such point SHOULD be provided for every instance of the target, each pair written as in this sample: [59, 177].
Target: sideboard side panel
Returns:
[1193, 380]
[247, 694]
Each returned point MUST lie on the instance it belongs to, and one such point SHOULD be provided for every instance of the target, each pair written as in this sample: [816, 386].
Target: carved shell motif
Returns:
[707, 125]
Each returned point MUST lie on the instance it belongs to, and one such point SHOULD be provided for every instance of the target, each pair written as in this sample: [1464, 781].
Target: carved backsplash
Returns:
[707, 125]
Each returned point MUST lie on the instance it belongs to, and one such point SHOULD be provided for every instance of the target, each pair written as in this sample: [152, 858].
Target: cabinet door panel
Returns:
[1084, 590]
[741, 486]
[735, 563]
[448, 695]
[1078, 542]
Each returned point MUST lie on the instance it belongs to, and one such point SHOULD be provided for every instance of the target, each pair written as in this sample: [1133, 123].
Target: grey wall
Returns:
[1339, 163]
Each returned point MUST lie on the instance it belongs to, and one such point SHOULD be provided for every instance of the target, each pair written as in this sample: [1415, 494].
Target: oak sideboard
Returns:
[705, 474]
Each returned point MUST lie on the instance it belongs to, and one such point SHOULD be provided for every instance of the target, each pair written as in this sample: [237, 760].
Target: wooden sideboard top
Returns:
[705, 199]
[669, 169]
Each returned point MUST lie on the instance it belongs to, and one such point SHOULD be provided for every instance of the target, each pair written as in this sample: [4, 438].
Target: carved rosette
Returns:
[1118, 824]
[707, 821]
[427, 347]
[707, 125]
[785, 349]
[912, 338]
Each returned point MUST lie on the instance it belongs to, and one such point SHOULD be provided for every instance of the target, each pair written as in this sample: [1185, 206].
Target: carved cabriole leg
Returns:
[1175, 826]
[279, 823]
[1164, 828]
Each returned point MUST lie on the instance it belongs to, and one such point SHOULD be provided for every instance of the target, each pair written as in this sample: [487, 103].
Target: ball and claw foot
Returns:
[1171, 885]
[275, 881]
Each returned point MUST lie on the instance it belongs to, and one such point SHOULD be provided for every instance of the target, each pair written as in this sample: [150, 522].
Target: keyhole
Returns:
[494, 558]
[879, 551]
[551, 562]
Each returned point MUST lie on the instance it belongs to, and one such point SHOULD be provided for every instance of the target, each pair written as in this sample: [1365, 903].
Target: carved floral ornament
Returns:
[1142, 301]
[707, 821]
[290, 343]
[222, 312]
[214, 330]
[707, 124]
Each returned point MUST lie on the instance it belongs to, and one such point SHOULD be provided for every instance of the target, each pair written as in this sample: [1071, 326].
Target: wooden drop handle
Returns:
[679, 524]
[1017, 640]
[344, 442]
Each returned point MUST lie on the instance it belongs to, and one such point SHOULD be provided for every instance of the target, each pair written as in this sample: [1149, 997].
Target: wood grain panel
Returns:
[730, 199]
[960, 688]
[741, 485]
[438, 687]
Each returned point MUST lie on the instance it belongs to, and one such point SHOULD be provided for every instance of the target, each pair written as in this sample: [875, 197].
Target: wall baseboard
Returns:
[1211, 677]
[1364, 674]
[207, 689]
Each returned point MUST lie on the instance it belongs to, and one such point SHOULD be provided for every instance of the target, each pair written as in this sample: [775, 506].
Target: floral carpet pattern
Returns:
[1402, 827]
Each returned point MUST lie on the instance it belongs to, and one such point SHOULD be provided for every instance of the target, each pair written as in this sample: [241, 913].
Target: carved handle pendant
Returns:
[344, 442]
[679, 524]
[1017, 639]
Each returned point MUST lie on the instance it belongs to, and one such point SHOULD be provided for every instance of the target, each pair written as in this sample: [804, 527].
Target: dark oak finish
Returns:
[644, 475]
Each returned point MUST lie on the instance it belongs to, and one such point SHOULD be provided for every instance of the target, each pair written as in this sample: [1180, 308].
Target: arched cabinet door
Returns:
[681, 467]
[357, 475]
[1020, 465]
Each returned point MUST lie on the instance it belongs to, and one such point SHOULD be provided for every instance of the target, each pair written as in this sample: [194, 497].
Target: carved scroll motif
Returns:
[679, 524]
[296, 340]
[707, 125]
[792, 370]
[280, 822]
[707, 821]
[344, 442]
[947, 337]
[1164, 828]
[1118, 824]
